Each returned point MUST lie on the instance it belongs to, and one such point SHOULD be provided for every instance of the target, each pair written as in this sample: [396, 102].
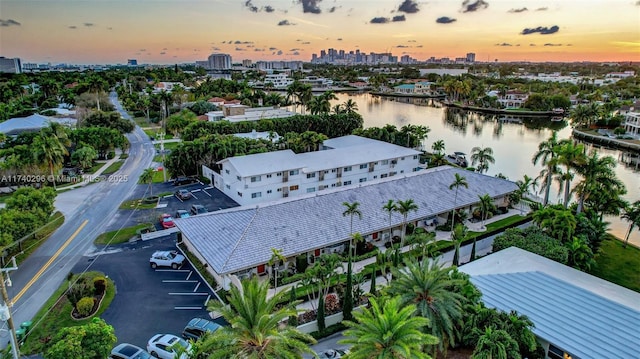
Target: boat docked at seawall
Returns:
[458, 158]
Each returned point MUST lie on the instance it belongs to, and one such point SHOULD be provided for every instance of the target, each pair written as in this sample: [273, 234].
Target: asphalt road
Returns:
[41, 274]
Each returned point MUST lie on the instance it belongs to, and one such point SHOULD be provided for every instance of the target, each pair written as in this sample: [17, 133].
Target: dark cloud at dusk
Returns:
[504, 44]
[379, 20]
[310, 6]
[269, 8]
[9, 22]
[285, 23]
[88, 24]
[399, 18]
[279, 52]
[445, 20]
[333, 9]
[273, 48]
[542, 9]
[339, 39]
[542, 30]
[518, 10]
[73, 27]
[240, 49]
[468, 6]
[409, 6]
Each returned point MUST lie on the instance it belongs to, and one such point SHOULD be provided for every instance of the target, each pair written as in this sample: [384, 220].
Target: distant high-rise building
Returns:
[247, 63]
[279, 65]
[132, 62]
[471, 57]
[12, 66]
[219, 62]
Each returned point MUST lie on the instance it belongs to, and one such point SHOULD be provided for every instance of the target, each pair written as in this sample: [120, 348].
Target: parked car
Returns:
[198, 209]
[163, 346]
[183, 194]
[333, 354]
[182, 180]
[166, 259]
[181, 213]
[166, 221]
[197, 327]
[128, 351]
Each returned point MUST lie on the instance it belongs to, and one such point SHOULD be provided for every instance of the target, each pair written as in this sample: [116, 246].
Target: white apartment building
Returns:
[513, 99]
[343, 161]
[631, 123]
[219, 62]
[279, 81]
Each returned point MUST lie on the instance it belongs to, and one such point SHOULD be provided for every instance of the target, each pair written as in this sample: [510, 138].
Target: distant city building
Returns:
[452, 72]
[219, 62]
[238, 113]
[341, 57]
[132, 62]
[11, 66]
[247, 63]
[203, 64]
[471, 57]
[278, 81]
[279, 65]
[631, 123]
[513, 99]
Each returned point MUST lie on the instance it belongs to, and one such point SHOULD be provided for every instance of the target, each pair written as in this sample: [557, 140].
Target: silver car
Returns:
[128, 351]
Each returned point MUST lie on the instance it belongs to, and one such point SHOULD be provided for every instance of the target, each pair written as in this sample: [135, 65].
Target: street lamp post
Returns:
[164, 170]
[5, 309]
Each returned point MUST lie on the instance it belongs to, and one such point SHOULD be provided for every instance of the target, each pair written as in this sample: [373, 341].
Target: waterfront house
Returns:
[576, 315]
[343, 161]
[631, 123]
[237, 243]
[513, 99]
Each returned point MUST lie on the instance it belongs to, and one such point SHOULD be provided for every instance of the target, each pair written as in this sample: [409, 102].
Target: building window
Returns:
[333, 170]
[311, 175]
[363, 166]
[346, 183]
[293, 172]
[238, 178]
[279, 189]
[321, 187]
[385, 162]
[240, 194]
[415, 157]
[333, 185]
[384, 175]
[375, 177]
[347, 169]
[269, 176]
[362, 180]
[401, 171]
[256, 179]
[402, 159]
[256, 195]
[293, 188]
[325, 172]
[226, 171]
[279, 174]
[269, 191]
[228, 186]
[311, 189]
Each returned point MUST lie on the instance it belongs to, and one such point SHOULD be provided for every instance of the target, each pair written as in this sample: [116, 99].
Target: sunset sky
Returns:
[178, 31]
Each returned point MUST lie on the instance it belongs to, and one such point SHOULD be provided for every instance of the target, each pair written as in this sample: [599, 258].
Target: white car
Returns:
[128, 351]
[166, 259]
[333, 354]
[164, 346]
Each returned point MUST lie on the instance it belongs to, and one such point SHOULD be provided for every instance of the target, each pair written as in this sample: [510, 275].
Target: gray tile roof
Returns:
[576, 320]
[242, 237]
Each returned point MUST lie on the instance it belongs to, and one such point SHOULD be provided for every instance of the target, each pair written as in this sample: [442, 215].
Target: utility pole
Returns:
[5, 308]
[164, 170]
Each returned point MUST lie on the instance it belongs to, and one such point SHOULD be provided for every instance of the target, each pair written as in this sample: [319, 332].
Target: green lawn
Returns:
[168, 146]
[153, 132]
[121, 235]
[499, 224]
[56, 314]
[618, 264]
[114, 167]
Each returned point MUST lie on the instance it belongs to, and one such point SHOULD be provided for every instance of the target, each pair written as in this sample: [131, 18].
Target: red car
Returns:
[166, 221]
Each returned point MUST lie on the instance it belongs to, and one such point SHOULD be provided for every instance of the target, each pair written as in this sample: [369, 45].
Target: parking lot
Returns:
[149, 301]
[211, 198]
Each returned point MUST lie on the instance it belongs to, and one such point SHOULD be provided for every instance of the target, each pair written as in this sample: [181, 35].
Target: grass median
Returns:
[121, 235]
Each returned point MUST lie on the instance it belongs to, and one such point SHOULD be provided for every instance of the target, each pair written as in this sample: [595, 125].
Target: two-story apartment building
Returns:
[278, 81]
[343, 161]
[513, 99]
[631, 123]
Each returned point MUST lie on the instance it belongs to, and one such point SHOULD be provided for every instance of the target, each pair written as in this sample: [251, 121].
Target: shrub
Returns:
[532, 239]
[331, 304]
[85, 306]
[80, 289]
[111, 155]
[301, 263]
[99, 284]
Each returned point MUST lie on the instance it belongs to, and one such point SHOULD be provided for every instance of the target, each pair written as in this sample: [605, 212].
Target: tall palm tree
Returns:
[388, 330]
[496, 344]
[350, 106]
[459, 235]
[459, 181]
[255, 329]
[545, 154]
[147, 177]
[404, 207]
[571, 156]
[351, 211]
[486, 205]
[48, 148]
[482, 156]
[276, 258]
[390, 207]
[632, 215]
[427, 285]
[438, 146]
[597, 174]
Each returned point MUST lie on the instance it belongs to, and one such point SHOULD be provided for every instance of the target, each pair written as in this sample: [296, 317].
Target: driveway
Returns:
[148, 301]
[211, 198]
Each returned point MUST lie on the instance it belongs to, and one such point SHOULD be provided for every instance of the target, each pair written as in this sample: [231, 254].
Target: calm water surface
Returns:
[513, 141]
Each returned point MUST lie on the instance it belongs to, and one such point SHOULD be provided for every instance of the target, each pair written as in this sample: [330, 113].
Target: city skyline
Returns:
[167, 32]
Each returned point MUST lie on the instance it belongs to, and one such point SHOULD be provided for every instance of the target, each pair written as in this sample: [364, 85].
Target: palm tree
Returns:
[486, 205]
[523, 190]
[350, 106]
[404, 207]
[496, 344]
[597, 174]
[427, 285]
[482, 156]
[571, 156]
[546, 153]
[459, 235]
[581, 116]
[390, 207]
[460, 181]
[351, 210]
[631, 214]
[49, 148]
[276, 258]
[256, 329]
[388, 330]
[147, 177]
[438, 146]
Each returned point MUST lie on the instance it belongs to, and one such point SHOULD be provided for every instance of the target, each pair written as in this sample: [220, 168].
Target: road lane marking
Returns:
[46, 265]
